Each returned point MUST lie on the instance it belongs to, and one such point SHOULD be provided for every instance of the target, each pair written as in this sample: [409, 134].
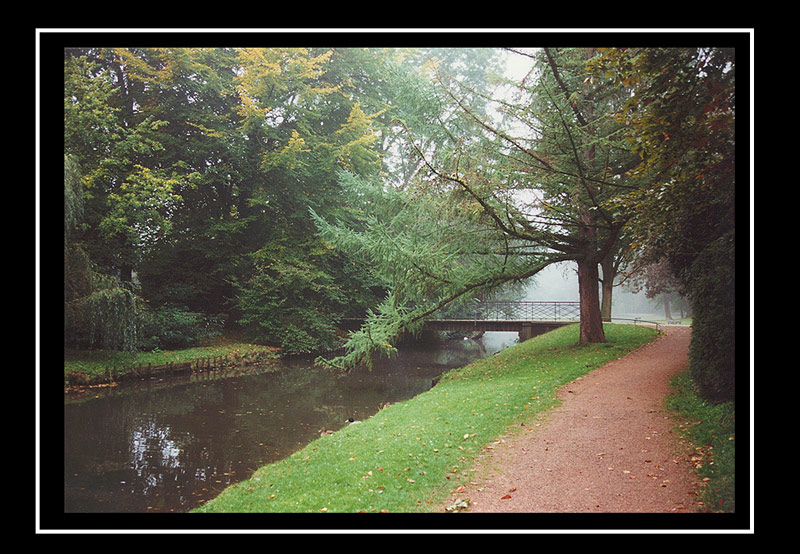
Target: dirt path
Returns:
[607, 448]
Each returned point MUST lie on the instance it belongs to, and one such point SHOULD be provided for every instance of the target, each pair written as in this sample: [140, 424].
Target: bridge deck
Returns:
[526, 318]
[489, 324]
[526, 329]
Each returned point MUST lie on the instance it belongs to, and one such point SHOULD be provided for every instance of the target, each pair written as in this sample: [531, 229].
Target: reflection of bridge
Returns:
[526, 318]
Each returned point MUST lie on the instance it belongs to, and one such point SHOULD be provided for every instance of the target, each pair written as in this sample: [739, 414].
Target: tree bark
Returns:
[667, 311]
[608, 288]
[591, 327]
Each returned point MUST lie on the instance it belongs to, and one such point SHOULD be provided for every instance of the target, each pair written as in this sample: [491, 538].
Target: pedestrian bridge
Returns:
[526, 318]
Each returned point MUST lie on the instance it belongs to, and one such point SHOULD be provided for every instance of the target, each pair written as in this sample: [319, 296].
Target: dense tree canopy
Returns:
[278, 190]
[530, 190]
[199, 168]
[681, 122]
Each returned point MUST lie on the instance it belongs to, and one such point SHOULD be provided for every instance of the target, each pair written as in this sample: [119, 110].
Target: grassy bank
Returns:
[711, 428]
[93, 364]
[408, 456]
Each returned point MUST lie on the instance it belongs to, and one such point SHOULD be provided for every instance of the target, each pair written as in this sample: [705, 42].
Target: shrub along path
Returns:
[608, 447]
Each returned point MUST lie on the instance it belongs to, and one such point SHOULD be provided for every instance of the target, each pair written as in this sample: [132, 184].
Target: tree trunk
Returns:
[591, 320]
[608, 288]
[126, 273]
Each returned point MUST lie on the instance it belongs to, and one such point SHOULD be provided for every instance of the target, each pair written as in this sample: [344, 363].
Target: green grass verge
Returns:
[711, 429]
[94, 362]
[410, 455]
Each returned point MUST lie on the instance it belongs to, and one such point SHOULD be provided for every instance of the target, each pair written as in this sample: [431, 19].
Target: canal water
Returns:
[169, 446]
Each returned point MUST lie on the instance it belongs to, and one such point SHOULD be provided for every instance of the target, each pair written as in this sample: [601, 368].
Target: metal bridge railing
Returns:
[520, 311]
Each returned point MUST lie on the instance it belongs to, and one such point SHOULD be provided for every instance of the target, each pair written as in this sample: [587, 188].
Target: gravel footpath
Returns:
[608, 447]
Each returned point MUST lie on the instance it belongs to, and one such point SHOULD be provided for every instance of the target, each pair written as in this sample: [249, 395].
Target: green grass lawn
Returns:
[711, 428]
[95, 362]
[410, 455]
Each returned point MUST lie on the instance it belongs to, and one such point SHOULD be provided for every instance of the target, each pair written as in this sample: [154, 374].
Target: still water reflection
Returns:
[156, 448]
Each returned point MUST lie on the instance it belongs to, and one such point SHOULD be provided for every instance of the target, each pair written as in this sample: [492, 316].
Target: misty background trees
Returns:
[273, 191]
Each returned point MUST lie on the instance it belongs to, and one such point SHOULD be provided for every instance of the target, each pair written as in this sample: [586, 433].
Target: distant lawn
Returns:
[94, 362]
[410, 455]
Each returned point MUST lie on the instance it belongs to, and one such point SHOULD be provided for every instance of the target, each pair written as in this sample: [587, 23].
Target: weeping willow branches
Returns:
[98, 310]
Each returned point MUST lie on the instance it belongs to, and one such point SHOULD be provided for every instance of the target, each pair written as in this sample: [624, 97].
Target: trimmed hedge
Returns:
[712, 292]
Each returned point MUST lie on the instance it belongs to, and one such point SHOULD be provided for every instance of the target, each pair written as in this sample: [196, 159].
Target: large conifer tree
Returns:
[498, 201]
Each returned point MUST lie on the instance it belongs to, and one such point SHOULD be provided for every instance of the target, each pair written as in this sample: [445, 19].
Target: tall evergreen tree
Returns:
[495, 205]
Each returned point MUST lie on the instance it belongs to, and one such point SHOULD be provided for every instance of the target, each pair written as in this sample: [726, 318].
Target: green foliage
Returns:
[427, 250]
[172, 327]
[712, 292]
[129, 195]
[73, 196]
[199, 168]
[206, 172]
[99, 311]
[292, 300]
[488, 206]
[90, 117]
[104, 316]
[680, 119]
[382, 327]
